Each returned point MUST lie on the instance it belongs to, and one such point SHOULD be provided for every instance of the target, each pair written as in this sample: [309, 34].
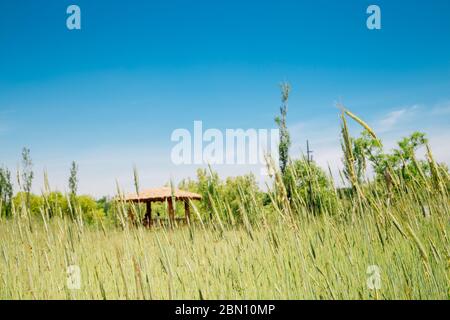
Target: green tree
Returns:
[224, 197]
[409, 145]
[402, 161]
[6, 191]
[285, 140]
[55, 204]
[236, 194]
[209, 187]
[90, 210]
[27, 174]
[36, 203]
[73, 189]
[366, 149]
[309, 183]
[105, 204]
[73, 179]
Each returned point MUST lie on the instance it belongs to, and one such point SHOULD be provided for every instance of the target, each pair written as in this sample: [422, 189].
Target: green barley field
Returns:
[304, 238]
[317, 259]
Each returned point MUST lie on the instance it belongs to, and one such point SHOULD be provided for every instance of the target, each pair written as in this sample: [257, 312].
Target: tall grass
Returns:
[320, 258]
[289, 255]
[277, 250]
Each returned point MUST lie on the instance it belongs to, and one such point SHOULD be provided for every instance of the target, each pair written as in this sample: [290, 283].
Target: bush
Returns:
[36, 203]
[56, 204]
[92, 213]
[224, 197]
[308, 183]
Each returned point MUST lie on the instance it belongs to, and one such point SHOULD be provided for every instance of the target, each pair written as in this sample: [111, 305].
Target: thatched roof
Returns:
[161, 194]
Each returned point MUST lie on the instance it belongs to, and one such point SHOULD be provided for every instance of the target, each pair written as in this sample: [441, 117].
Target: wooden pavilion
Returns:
[161, 195]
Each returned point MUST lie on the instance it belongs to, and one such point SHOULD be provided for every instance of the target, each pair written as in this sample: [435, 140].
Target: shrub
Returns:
[309, 184]
[89, 208]
[20, 202]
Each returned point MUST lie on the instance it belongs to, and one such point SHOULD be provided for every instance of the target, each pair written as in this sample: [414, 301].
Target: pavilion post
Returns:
[148, 214]
[187, 211]
[171, 211]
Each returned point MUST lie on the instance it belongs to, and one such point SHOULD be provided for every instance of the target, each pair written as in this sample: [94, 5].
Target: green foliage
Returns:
[27, 174]
[235, 188]
[89, 209]
[6, 192]
[401, 162]
[409, 145]
[208, 185]
[309, 184]
[73, 179]
[365, 148]
[223, 198]
[285, 140]
[55, 204]
[105, 204]
[35, 203]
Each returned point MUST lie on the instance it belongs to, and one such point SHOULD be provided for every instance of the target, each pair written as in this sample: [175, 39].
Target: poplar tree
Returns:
[285, 140]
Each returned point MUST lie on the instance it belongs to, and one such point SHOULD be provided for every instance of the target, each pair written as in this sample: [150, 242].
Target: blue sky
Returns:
[109, 95]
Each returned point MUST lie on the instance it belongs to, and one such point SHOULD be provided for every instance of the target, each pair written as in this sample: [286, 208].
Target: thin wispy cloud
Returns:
[394, 118]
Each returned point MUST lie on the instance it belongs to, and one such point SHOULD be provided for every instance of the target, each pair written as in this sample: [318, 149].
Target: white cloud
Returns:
[393, 118]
